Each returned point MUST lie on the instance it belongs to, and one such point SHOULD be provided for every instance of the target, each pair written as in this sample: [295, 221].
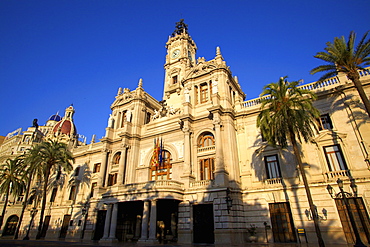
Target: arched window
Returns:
[163, 168]
[10, 225]
[206, 140]
[116, 158]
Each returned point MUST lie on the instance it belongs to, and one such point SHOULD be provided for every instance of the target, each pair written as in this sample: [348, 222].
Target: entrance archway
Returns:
[11, 225]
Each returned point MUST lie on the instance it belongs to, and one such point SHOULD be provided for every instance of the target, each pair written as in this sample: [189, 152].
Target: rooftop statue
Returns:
[180, 28]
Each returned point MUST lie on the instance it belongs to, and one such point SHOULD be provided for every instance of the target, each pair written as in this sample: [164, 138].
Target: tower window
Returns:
[203, 93]
[174, 79]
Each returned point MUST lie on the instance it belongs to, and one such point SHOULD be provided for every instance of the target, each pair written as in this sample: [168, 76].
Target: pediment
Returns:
[329, 135]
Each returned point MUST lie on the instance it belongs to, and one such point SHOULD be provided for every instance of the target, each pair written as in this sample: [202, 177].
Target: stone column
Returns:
[153, 221]
[219, 166]
[122, 165]
[220, 172]
[144, 222]
[113, 222]
[107, 222]
[187, 149]
[103, 168]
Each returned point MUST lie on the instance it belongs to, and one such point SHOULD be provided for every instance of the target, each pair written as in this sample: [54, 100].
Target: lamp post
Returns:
[229, 200]
[33, 212]
[344, 196]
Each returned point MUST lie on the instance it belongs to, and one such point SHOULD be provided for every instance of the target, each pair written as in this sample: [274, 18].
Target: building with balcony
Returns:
[194, 168]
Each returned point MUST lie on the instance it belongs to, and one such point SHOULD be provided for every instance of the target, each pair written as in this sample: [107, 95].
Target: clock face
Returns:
[175, 53]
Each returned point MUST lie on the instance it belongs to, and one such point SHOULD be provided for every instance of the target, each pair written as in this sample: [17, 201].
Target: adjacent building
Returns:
[194, 168]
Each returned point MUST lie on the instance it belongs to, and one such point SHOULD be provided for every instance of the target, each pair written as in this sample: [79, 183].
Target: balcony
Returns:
[337, 174]
[274, 181]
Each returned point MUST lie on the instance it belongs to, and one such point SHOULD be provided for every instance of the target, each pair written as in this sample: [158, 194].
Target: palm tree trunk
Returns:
[4, 208]
[43, 205]
[23, 208]
[361, 92]
[307, 188]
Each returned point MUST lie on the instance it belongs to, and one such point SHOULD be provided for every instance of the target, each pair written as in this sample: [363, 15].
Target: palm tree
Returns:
[54, 157]
[10, 182]
[344, 57]
[32, 169]
[287, 114]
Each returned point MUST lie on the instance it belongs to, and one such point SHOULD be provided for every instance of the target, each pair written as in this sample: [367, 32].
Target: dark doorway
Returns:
[203, 225]
[11, 225]
[65, 224]
[282, 222]
[361, 218]
[45, 226]
[100, 222]
[129, 221]
[167, 214]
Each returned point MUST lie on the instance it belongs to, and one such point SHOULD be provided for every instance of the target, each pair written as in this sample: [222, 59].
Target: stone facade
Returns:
[215, 178]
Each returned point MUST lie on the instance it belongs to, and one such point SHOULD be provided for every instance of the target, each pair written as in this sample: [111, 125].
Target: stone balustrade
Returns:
[316, 86]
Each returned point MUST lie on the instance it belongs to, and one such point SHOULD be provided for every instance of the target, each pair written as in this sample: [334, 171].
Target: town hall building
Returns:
[194, 168]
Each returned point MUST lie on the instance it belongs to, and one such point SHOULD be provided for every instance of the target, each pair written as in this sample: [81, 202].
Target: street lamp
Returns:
[344, 196]
[33, 212]
[229, 200]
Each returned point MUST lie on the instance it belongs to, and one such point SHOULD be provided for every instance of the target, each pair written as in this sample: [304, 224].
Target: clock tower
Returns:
[180, 58]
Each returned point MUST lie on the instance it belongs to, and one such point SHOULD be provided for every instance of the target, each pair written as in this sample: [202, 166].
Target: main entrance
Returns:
[203, 224]
[129, 220]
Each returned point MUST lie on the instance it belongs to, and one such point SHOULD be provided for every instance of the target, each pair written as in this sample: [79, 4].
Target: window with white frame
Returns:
[272, 166]
[335, 158]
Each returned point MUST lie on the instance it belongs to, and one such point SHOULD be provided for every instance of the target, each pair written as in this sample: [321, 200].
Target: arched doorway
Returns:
[11, 225]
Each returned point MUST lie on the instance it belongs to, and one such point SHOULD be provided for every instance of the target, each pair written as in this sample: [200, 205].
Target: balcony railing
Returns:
[206, 149]
[201, 184]
[159, 184]
[274, 181]
[314, 86]
[337, 174]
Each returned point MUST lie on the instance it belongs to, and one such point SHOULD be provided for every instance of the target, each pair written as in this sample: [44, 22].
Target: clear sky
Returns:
[56, 53]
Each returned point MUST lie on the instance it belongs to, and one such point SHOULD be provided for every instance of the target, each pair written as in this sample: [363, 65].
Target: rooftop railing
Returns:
[316, 86]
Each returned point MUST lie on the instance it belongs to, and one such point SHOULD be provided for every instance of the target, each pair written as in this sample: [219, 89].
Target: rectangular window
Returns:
[203, 93]
[174, 79]
[96, 168]
[77, 171]
[325, 122]
[272, 166]
[72, 193]
[147, 119]
[196, 95]
[112, 179]
[207, 167]
[335, 158]
[53, 194]
[93, 186]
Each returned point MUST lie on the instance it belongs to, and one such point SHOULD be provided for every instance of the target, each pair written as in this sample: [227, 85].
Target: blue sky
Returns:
[57, 53]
